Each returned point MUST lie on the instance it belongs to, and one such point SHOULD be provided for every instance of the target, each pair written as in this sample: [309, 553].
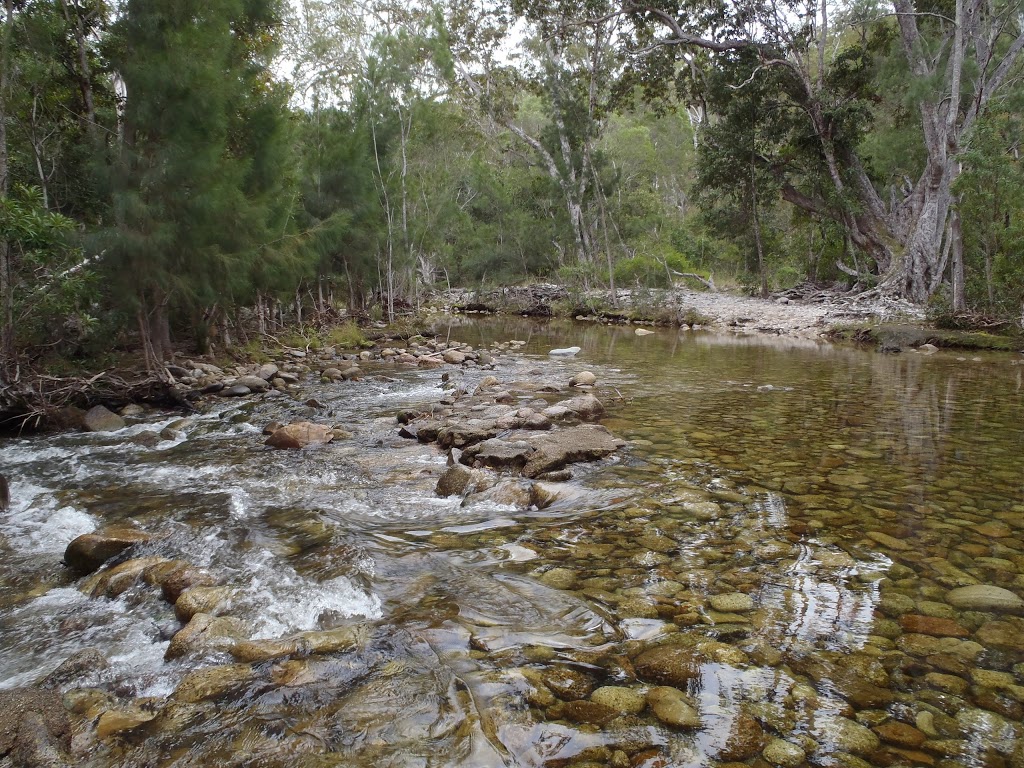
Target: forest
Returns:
[174, 172]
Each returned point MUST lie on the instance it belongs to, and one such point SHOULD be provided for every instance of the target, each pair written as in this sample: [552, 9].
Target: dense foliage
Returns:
[170, 169]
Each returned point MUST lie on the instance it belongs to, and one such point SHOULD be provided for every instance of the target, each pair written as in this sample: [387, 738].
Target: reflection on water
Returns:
[776, 549]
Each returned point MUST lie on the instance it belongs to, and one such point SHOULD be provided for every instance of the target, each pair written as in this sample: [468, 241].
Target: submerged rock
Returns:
[671, 706]
[985, 597]
[668, 665]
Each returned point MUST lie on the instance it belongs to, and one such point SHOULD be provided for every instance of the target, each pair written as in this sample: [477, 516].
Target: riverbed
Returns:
[805, 554]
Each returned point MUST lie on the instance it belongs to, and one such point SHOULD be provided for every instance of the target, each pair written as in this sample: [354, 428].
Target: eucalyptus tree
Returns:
[958, 59]
[570, 68]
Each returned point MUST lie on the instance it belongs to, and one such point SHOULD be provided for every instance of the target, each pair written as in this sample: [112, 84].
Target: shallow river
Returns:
[771, 572]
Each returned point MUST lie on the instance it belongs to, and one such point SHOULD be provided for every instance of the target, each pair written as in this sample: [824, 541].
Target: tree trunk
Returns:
[84, 73]
[6, 268]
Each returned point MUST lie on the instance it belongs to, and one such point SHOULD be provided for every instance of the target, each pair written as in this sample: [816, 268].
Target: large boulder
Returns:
[299, 435]
[91, 550]
[99, 419]
[556, 449]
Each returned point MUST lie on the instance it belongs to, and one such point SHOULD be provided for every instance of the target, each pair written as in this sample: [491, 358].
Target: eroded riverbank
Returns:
[767, 572]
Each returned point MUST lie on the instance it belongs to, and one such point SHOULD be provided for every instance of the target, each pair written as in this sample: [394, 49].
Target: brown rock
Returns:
[175, 576]
[745, 740]
[205, 633]
[929, 625]
[900, 734]
[117, 580]
[18, 703]
[584, 711]
[299, 435]
[91, 550]
[668, 665]
[99, 419]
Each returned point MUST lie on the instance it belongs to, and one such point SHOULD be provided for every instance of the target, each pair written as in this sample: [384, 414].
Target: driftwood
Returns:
[34, 401]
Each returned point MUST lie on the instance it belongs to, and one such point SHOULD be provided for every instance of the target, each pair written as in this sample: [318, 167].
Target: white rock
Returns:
[567, 352]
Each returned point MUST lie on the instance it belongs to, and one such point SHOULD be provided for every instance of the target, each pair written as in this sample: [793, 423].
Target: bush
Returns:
[347, 336]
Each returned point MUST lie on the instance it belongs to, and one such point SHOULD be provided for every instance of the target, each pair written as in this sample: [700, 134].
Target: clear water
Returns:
[844, 492]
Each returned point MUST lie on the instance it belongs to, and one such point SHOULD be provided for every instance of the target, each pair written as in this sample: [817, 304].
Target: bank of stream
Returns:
[803, 554]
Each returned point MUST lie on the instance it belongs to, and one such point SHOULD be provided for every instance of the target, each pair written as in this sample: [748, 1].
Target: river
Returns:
[805, 554]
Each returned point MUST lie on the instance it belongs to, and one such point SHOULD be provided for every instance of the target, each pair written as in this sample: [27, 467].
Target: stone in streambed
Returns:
[745, 740]
[566, 683]
[204, 634]
[900, 734]
[299, 435]
[929, 625]
[783, 754]
[253, 383]
[91, 550]
[31, 719]
[212, 600]
[553, 451]
[583, 379]
[99, 419]
[498, 453]
[668, 665]
[120, 578]
[175, 576]
[985, 597]
[620, 699]
[212, 682]
[733, 602]
[671, 706]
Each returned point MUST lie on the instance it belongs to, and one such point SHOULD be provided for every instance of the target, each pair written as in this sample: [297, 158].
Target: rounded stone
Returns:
[668, 665]
[671, 706]
[783, 754]
[620, 699]
[985, 597]
[567, 684]
[733, 602]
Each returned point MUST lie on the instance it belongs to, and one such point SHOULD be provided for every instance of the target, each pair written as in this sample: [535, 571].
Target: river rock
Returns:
[34, 729]
[584, 406]
[583, 379]
[1003, 634]
[212, 682]
[733, 602]
[204, 634]
[930, 625]
[99, 419]
[985, 597]
[668, 665]
[565, 352]
[236, 390]
[498, 453]
[643, 332]
[671, 706]
[213, 600]
[268, 371]
[462, 435]
[453, 357]
[900, 734]
[255, 383]
[566, 683]
[458, 480]
[783, 754]
[120, 578]
[620, 699]
[746, 739]
[175, 576]
[300, 435]
[568, 446]
[584, 712]
[89, 551]
[847, 736]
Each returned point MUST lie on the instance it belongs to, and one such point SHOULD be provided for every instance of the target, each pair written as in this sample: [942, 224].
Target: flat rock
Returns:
[91, 550]
[47, 706]
[254, 383]
[299, 435]
[498, 453]
[565, 352]
[568, 446]
[985, 597]
[620, 699]
[99, 419]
